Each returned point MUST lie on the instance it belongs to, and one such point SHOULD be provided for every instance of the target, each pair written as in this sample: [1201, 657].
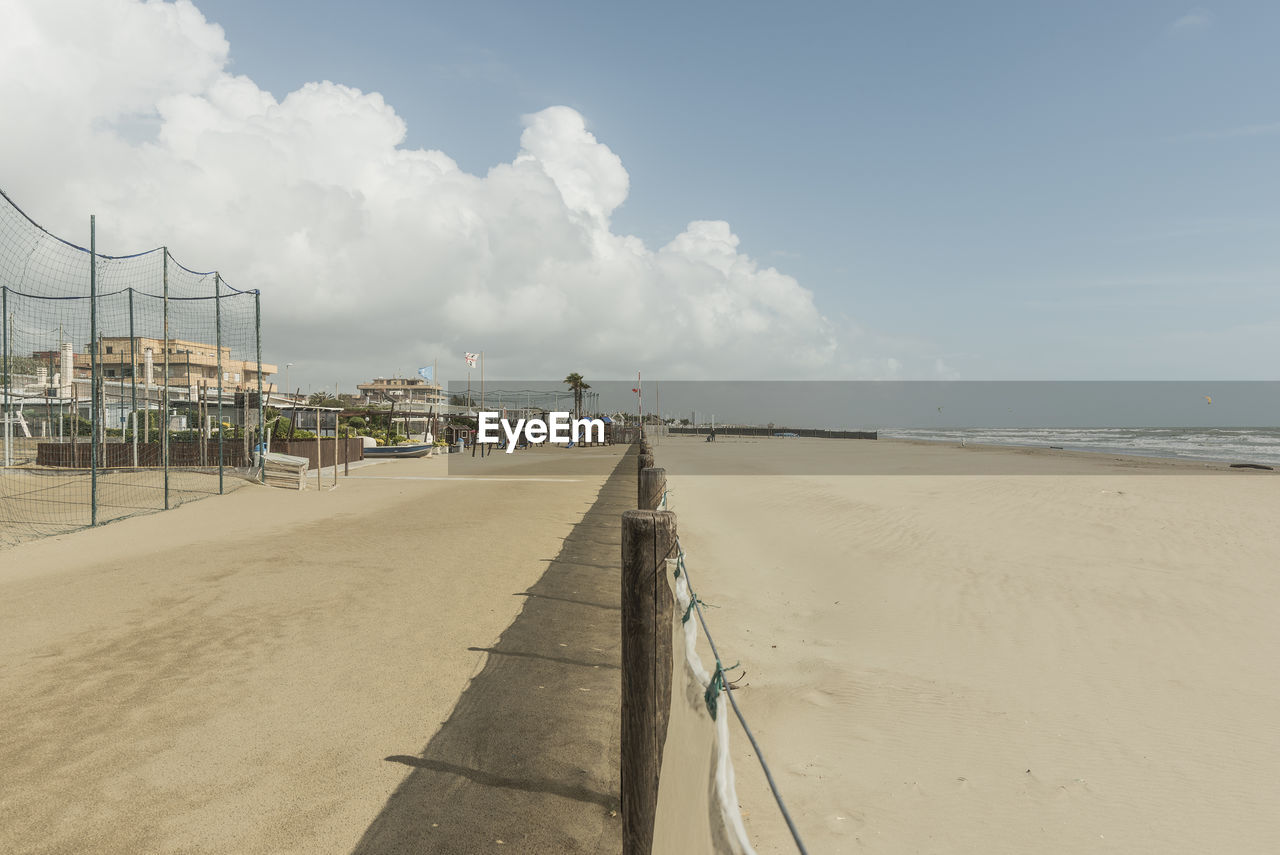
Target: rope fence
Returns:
[651, 552]
[718, 686]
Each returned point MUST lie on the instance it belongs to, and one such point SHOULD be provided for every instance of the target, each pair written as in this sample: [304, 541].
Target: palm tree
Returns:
[575, 382]
[323, 399]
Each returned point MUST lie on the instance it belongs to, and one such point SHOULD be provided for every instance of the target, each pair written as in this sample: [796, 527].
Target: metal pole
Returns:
[190, 404]
[4, 317]
[164, 397]
[257, 334]
[93, 370]
[217, 313]
[120, 397]
[657, 403]
[101, 436]
[133, 380]
[48, 405]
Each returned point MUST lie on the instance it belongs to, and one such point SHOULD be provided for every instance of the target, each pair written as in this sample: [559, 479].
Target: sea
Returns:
[1229, 445]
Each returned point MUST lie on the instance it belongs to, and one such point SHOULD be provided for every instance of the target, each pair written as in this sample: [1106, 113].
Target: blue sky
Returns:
[991, 190]
[1045, 186]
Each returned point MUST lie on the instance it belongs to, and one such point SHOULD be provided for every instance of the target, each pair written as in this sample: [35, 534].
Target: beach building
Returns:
[193, 365]
[418, 403]
[401, 390]
[133, 376]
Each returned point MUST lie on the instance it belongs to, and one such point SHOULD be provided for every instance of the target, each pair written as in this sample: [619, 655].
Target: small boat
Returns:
[421, 449]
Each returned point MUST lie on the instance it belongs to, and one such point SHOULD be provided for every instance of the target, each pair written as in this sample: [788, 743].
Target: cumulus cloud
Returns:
[374, 258]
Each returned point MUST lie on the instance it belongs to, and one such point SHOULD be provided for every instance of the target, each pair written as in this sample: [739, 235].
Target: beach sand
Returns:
[1081, 660]
[260, 672]
[1050, 662]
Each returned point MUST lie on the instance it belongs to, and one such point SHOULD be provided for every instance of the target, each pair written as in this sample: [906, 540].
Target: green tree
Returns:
[74, 424]
[26, 365]
[323, 399]
[575, 383]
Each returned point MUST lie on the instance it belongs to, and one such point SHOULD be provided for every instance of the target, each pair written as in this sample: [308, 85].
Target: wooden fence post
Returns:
[649, 489]
[648, 539]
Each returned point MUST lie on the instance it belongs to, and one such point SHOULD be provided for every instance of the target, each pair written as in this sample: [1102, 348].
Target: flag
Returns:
[471, 359]
[427, 373]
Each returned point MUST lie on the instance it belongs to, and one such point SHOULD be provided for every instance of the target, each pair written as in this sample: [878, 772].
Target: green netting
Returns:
[130, 384]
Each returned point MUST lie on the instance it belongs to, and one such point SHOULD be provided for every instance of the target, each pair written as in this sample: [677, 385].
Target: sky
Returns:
[876, 190]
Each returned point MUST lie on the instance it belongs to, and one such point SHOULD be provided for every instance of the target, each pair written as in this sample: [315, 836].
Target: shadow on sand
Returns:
[529, 755]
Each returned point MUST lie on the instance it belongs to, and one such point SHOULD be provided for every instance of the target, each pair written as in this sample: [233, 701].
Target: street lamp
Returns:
[287, 366]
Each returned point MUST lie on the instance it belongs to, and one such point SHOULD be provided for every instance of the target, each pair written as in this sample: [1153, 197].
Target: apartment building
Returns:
[403, 391]
[191, 364]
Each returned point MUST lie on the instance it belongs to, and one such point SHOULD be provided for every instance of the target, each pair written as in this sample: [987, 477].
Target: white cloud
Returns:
[1196, 19]
[373, 258]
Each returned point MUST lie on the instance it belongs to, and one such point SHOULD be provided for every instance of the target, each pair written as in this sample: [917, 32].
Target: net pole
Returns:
[93, 370]
[4, 318]
[120, 417]
[63, 383]
[48, 409]
[257, 335]
[133, 372]
[217, 314]
[164, 416]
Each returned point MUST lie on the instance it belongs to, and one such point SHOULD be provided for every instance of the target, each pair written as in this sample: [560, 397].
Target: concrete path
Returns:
[529, 757]
[259, 673]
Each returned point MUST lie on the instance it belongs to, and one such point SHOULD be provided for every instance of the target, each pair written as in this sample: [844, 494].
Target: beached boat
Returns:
[420, 449]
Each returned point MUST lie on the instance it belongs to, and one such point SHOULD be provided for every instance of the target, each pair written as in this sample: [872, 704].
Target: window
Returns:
[109, 349]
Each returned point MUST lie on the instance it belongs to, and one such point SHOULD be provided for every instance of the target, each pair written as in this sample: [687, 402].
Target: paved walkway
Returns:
[257, 674]
[529, 757]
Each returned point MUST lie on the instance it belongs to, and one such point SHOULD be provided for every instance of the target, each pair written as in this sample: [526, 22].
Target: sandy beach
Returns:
[260, 672]
[1079, 660]
[1076, 660]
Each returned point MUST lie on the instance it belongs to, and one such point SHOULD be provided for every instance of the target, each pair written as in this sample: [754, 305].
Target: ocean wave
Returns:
[1244, 445]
